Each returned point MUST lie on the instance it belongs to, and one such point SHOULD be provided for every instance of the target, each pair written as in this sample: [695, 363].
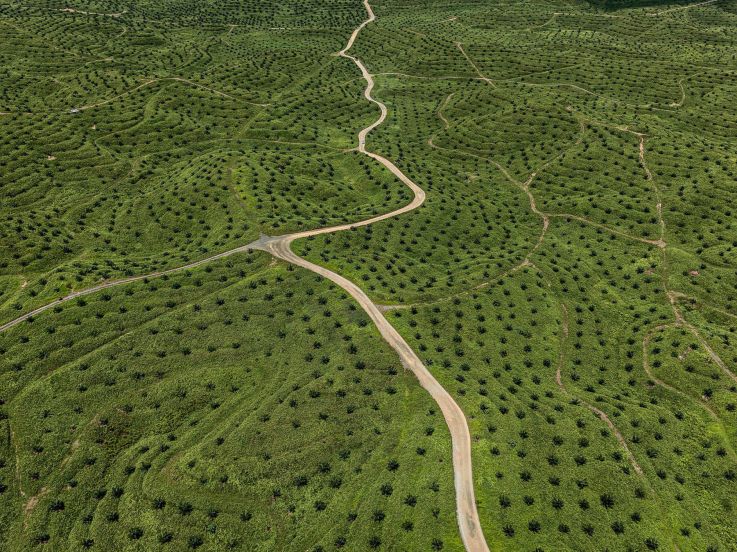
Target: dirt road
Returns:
[113, 283]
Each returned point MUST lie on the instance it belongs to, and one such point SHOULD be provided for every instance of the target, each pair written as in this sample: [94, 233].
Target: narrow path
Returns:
[672, 297]
[680, 102]
[670, 294]
[424, 77]
[548, 22]
[72, 10]
[121, 281]
[600, 413]
[679, 8]
[685, 396]
[525, 186]
[676, 295]
[713, 355]
[439, 112]
[475, 67]
[525, 263]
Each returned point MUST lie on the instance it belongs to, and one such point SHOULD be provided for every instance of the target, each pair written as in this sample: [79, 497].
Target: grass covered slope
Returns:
[241, 406]
[569, 280]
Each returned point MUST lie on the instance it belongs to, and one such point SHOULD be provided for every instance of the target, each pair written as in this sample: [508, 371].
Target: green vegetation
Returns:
[570, 279]
[213, 407]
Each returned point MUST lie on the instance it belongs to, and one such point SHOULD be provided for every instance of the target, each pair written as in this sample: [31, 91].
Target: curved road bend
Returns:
[468, 519]
[279, 246]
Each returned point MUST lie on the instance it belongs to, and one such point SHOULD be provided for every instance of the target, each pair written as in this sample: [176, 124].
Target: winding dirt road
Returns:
[468, 519]
[280, 247]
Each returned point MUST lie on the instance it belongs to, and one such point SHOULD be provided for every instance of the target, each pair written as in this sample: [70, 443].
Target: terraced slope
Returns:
[563, 275]
[556, 281]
